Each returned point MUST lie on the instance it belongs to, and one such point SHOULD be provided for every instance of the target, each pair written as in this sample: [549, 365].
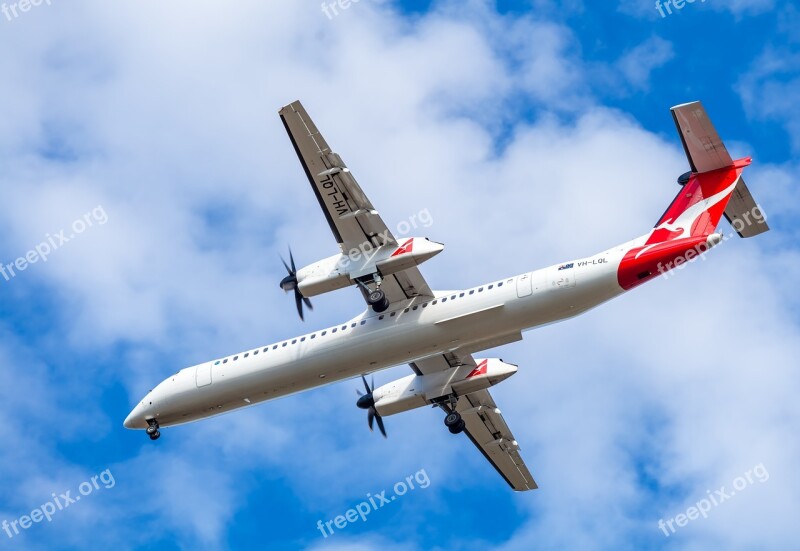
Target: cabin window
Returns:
[500, 284]
[235, 358]
[334, 330]
[344, 327]
[415, 307]
[247, 354]
[363, 322]
[490, 286]
[425, 305]
[461, 295]
[434, 302]
[406, 310]
[392, 314]
[225, 361]
[480, 289]
[294, 341]
[301, 340]
[324, 333]
[255, 353]
[472, 292]
[444, 299]
[314, 336]
[381, 317]
[274, 347]
[216, 363]
[284, 344]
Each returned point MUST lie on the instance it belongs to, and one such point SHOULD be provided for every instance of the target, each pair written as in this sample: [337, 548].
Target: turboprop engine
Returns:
[342, 270]
[417, 391]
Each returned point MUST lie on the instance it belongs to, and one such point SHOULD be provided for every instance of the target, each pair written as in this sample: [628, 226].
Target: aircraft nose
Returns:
[135, 419]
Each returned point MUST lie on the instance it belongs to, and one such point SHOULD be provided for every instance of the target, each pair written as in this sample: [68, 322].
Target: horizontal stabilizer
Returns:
[705, 150]
[744, 214]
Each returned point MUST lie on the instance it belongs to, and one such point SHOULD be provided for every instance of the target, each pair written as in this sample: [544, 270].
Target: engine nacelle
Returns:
[417, 391]
[341, 270]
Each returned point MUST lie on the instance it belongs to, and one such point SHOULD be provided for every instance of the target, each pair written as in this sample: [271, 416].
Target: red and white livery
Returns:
[437, 332]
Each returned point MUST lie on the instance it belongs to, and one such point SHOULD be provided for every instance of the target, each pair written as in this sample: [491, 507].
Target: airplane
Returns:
[437, 332]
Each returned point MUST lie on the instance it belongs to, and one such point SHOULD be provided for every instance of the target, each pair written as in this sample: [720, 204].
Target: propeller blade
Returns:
[285, 265]
[370, 417]
[291, 259]
[298, 299]
[380, 425]
[366, 386]
[308, 303]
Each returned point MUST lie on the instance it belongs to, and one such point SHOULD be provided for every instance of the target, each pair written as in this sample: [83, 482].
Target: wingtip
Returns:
[674, 107]
[289, 106]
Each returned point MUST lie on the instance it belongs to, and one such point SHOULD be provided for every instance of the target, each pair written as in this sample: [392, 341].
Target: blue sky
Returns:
[533, 132]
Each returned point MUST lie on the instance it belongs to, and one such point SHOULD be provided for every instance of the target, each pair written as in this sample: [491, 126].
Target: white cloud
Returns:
[770, 90]
[638, 63]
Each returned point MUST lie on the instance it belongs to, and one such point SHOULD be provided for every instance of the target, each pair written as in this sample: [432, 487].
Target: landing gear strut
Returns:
[152, 429]
[453, 420]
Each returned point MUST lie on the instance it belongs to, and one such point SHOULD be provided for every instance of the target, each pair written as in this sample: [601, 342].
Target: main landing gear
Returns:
[377, 299]
[152, 429]
[455, 423]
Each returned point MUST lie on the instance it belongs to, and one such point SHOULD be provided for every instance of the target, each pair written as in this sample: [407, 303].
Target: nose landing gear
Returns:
[152, 429]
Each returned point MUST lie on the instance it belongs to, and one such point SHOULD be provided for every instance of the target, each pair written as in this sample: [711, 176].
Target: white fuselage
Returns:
[469, 320]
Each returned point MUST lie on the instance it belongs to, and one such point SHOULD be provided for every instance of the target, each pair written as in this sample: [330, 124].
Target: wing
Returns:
[485, 424]
[488, 431]
[351, 216]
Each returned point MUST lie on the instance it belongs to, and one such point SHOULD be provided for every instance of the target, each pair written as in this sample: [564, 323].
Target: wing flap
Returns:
[489, 432]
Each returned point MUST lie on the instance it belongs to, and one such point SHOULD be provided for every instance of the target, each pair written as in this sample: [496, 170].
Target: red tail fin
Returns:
[687, 228]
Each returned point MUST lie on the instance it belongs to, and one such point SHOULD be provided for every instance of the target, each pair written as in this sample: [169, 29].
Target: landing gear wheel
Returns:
[152, 429]
[458, 427]
[452, 419]
[377, 299]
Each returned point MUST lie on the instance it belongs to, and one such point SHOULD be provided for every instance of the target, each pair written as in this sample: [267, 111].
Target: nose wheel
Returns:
[152, 429]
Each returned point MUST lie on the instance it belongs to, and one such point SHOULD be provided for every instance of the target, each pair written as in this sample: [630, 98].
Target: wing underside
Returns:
[353, 220]
[485, 425]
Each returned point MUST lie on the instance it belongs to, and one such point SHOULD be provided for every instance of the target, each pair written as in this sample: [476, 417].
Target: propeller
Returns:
[289, 283]
[367, 401]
